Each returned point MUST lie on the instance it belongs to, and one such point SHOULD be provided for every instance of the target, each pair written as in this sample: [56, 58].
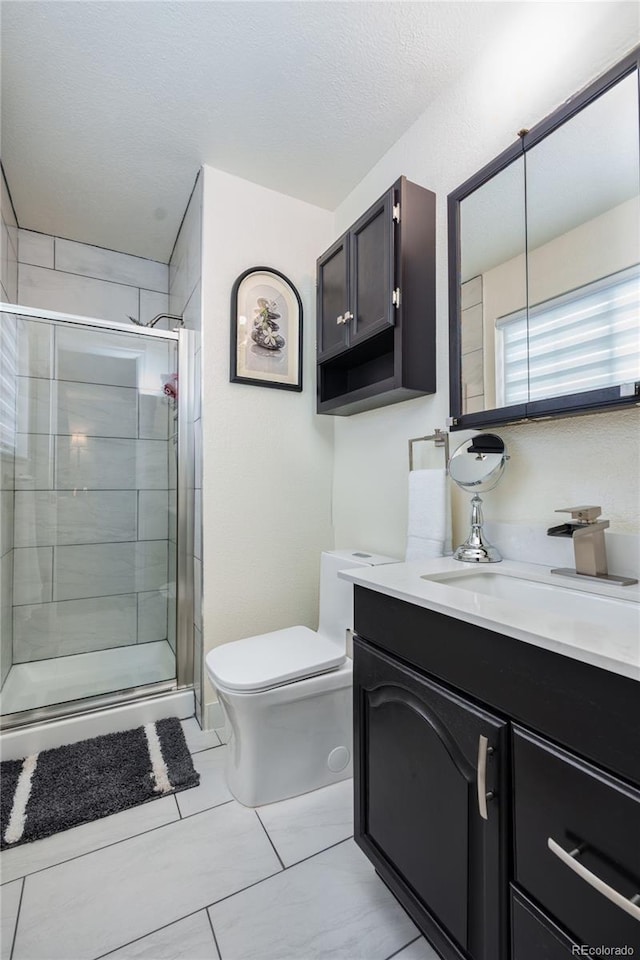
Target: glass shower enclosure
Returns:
[94, 446]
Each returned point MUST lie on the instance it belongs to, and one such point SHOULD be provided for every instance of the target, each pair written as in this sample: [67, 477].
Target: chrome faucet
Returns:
[587, 533]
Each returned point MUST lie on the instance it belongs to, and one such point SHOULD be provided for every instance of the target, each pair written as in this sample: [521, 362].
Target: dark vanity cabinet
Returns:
[497, 786]
[376, 305]
[419, 814]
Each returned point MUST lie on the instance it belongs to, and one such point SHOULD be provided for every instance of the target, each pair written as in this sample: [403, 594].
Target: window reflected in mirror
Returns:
[545, 245]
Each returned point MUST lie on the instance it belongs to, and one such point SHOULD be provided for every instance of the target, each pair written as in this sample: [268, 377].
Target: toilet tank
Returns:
[336, 596]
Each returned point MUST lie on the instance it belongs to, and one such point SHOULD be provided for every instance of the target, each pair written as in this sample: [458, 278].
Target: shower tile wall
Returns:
[185, 272]
[94, 444]
[8, 245]
[77, 278]
[8, 393]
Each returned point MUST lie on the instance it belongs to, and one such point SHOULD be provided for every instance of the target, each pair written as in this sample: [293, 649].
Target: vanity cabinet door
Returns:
[534, 936]
[333, 299]
[420, 803]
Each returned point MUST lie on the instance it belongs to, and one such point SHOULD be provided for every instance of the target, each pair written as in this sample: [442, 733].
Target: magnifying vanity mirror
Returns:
[476, 466]
[544, 271]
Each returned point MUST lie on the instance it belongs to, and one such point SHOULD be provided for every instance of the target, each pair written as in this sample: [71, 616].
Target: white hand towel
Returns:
[429, 527]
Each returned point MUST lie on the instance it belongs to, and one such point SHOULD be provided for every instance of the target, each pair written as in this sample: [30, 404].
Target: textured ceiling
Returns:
[109, 108]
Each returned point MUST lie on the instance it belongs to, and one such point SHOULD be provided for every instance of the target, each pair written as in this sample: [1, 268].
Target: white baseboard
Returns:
[213, 716]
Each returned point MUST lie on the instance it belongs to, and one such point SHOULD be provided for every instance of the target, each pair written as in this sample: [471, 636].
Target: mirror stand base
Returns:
[477, 553]
[476, 549]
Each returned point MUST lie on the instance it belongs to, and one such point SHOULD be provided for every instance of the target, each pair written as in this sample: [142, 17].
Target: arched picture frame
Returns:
[266, 330]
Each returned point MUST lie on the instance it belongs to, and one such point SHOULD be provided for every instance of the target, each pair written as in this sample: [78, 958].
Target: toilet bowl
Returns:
[286, 696]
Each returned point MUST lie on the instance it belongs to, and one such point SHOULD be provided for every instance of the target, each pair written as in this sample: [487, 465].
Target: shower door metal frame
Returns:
[184, 530]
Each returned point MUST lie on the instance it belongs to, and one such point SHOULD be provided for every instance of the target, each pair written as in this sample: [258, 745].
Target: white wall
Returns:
[522, 77]
[267, 456]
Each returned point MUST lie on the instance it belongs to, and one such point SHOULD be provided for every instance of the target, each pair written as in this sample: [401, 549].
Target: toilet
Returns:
[287, 697]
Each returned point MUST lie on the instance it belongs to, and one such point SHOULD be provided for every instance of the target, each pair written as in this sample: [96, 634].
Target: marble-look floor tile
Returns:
[332, 905]
[110, 463]
[88, 907]
[213, 789]
[304, 825]
[95, 410]
[57, 518]
[9, 904]
[88, 837]
[188, 939]
[46, 630]
[418, 950]
[197, 738]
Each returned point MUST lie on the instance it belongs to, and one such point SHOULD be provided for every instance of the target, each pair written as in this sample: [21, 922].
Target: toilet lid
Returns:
[271, 659]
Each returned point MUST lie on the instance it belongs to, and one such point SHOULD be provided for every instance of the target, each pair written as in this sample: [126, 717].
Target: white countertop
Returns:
[611, 647]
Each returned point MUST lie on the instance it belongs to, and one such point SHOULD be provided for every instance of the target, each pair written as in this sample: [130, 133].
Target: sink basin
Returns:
[547, 596]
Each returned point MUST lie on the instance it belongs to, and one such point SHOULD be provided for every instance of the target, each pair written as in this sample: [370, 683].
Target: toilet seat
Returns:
[273, 659]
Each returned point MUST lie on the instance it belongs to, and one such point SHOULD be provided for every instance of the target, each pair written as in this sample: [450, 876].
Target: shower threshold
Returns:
[42, 683]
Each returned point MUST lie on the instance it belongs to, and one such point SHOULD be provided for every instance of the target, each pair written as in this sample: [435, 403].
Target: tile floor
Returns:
[197, 876]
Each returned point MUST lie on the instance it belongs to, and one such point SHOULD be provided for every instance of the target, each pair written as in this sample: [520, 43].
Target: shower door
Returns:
[88, 457]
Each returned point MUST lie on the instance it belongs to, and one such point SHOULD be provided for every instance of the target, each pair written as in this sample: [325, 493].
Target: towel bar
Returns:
[440, 438]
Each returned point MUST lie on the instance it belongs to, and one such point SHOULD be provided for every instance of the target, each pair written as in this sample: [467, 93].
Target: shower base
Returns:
[41, 683]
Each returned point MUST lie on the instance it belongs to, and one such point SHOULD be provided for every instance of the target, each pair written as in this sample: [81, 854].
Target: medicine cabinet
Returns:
[544, 273]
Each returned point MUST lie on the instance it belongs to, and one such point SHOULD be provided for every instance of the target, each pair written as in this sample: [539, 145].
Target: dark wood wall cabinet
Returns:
[496, 796]
[376, 306]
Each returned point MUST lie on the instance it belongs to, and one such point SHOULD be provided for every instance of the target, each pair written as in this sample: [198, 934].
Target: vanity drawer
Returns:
[563, 805]
[533, 935]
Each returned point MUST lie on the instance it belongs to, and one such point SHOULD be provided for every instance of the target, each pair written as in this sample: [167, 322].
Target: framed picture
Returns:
[266, 330]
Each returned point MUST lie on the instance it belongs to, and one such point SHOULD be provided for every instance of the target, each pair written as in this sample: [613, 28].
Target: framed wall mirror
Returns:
[544, 272]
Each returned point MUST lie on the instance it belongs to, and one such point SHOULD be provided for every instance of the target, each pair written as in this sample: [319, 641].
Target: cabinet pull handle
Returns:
[348, 316]
[570, 860]
[481, 778]
[340, 319]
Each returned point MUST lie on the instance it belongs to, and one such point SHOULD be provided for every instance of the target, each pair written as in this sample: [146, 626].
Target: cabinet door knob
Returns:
[340, 319]
[348, 316]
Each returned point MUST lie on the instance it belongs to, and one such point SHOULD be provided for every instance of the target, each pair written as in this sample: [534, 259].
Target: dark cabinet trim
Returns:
[459, 896]
[392, 356]
[566, 768]
[591, 711]
[558, 406]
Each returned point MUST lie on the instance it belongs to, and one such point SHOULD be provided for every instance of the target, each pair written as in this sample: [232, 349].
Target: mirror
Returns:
[544, 262]
[477, 466]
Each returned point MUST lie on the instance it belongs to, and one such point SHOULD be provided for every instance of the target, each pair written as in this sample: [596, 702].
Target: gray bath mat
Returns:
[62, 788]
